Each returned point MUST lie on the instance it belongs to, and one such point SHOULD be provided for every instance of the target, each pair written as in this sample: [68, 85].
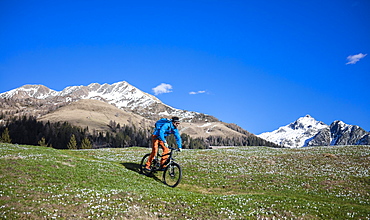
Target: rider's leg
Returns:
[154, 152]
[166, 151]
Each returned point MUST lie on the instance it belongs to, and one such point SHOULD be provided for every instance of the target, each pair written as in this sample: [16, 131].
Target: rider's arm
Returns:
[178, 138]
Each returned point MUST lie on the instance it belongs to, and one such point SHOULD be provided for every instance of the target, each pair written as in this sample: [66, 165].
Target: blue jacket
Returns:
[167, 129]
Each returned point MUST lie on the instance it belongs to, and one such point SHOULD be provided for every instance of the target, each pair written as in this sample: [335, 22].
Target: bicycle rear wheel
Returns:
[142, 165]
[172, 174]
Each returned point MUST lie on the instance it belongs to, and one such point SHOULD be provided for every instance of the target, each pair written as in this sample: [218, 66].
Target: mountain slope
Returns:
[98, 114]
[94, 114]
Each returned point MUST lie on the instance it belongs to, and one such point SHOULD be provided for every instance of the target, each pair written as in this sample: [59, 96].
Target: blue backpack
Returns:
[161, 122]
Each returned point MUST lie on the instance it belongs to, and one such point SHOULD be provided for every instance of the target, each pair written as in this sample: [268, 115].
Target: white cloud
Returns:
[355, 58]
[162, 88]
[194, 93]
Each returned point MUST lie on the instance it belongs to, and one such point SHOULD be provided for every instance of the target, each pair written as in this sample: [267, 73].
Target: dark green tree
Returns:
[72, 143]
[86, 143]
[5, 137]
[42, 142]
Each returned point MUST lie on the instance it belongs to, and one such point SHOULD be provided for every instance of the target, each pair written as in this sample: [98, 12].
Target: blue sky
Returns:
[259, 64]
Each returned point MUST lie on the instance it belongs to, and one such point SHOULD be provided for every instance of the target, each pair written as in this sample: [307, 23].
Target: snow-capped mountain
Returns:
[306, 131]
[296, 133]
[120, 94]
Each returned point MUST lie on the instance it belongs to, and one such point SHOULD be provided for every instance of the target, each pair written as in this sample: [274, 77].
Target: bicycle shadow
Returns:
[132, 166]
[136, 168]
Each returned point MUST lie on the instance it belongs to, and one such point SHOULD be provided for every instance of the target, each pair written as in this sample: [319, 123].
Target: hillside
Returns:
[94, 114]
[228, 183]
[97, 115]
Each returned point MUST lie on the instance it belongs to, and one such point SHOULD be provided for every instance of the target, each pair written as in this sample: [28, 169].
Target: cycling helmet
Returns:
[175, 119]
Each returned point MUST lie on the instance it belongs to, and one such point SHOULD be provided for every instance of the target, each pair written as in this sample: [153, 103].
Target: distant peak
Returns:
[29, 86]
[340, 123]
[121, 83]
[305, 118]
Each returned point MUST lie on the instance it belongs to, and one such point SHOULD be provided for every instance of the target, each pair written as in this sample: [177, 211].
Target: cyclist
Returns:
[163, 128]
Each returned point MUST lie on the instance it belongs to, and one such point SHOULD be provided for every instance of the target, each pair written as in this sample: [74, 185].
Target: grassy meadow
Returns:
[226, 183]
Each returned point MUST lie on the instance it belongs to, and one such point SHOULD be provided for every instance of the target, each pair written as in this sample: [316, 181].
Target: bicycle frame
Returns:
[170, 159]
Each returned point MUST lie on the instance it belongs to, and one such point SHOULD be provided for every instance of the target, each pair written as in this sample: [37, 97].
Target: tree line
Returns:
[62, 135]
[27, 130]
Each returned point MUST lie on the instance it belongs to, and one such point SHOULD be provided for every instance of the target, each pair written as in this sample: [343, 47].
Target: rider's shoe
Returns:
[162, 168]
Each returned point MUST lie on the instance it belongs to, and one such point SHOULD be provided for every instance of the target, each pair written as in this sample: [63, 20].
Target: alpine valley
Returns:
[104, 108]
[306, 131]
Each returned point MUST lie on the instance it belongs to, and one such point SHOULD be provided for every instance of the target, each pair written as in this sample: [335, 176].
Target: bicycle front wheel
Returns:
[172, 174]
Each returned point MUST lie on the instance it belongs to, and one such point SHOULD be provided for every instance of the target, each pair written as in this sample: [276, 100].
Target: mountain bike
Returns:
[172, 172]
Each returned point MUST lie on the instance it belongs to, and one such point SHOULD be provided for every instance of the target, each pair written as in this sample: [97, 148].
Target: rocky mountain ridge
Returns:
[306, 131]
[340, 133]
[120, 94]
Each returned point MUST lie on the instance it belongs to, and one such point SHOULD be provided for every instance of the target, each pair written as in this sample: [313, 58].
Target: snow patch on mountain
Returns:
[205, 125]
[296, 133]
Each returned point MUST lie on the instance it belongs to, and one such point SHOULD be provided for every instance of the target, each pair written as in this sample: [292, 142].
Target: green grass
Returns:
[232, 183]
